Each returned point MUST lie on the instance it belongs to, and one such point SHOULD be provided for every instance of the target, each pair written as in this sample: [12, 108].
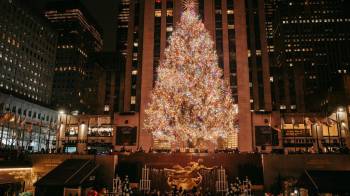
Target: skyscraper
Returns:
[238, 30]
[27, 53]
[311, 40]
[110, 93]
[27, 59]
[78, 37]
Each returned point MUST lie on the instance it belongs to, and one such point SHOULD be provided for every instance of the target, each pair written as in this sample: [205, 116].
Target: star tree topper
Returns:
[190, 5]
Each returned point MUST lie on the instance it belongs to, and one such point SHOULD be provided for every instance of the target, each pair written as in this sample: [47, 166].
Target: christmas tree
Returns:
[190, 101]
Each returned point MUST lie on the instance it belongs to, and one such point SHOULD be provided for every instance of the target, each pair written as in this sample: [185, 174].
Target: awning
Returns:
[318, 181]
[70, 173]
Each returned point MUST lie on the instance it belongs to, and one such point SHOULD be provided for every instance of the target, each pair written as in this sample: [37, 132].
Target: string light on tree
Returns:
[190, 100]
[190, 5]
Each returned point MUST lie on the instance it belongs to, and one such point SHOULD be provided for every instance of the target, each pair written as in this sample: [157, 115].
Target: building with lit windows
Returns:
[78, 37]
[238, 30]
[110, 79]
[27, 53]
[85, 134]
[311, 40]
[27, 126]
[309, 62]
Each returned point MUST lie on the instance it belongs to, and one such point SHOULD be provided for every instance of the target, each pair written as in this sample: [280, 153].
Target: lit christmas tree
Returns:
[190, 101]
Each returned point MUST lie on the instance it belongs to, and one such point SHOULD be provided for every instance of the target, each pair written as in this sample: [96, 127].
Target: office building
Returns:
[111, 77]
[27, 53]
[78, 37]
[238, 30]
[25, 125]
[311, 40]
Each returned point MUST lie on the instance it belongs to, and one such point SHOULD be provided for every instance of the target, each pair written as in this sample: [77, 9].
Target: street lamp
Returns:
[294, 136]
[339, 126]
[317, 142]
[61, 112]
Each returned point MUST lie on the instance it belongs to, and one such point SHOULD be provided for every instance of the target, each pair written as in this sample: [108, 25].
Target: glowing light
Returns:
[15, 169]
[189, 5]
[190, 101]
[340, 109]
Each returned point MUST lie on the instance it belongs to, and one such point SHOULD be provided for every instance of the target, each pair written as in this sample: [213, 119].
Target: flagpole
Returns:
[87, 135]
[8, 131]
[329, 136]
[13, 131]
[2, 132]
[39, 141]
[8, 125]
[305, 135]
[16, 125]
[318, 145]
[48, 140]
[30, 135]
[65, 134]
[23, 134]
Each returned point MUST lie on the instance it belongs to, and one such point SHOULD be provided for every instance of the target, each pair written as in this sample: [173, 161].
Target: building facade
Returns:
[111, 81]
[25, 125]
[85, 134]
[27, 53]
[312, 58]
[238, 29]
[79, 37]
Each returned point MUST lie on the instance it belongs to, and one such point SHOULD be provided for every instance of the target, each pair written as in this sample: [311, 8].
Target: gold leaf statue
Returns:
[187, 177]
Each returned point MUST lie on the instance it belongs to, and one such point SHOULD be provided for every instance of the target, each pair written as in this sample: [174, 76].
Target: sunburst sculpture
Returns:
[190, 5]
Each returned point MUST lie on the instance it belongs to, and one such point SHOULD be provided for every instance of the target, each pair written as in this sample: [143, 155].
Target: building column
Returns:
[82, 139]
[245, 143]
[144, 139]
[264, 57]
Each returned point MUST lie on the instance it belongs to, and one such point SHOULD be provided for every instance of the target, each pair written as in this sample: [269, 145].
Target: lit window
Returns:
[169, 29]
[106, 108]
[134, 72]
[133, 100]
[231, 26]
[169, 12]
[158, 13]
[258, 52]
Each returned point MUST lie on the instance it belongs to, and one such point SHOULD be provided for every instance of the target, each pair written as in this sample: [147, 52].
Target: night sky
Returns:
[105, 13]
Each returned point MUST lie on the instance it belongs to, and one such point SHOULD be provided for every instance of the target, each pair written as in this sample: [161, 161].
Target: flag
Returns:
[12, 118]
[7, 117]
[30, 127]
[18, 119]
[317, 121]
[308, 121]
[22, 123]
[293, 120]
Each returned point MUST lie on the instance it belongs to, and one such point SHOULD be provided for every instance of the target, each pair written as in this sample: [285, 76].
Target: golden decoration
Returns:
[189, 5]
[187, 177]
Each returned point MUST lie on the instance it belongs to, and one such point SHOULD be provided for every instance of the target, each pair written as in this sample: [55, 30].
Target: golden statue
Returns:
[187, 177]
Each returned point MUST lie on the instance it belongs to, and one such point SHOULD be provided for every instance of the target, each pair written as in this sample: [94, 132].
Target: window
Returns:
[106, 108]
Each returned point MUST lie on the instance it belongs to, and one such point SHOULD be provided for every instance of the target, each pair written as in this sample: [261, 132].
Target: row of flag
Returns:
[21, 122]
[311, 121]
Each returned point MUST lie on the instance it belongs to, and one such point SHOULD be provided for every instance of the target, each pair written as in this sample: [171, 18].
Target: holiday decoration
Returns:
[190, 101]
[126, 190]
[186, 178]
